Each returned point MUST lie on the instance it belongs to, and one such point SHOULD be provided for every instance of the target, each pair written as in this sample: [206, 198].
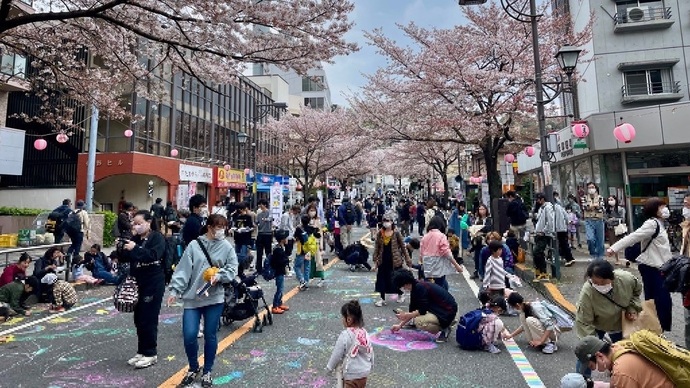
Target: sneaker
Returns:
[443, 337]
[352, 268]
[380, 303]
[549, 348]
[206, 380]
[320, 283]
[303, 286]
[134, 359]
[491, 348]
[569, 263]
[284, 307]
[190, 377]
[145, 362]
[401, 298]
[277, 310]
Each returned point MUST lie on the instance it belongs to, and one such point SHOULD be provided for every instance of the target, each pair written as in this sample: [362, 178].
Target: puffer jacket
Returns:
[398, 250]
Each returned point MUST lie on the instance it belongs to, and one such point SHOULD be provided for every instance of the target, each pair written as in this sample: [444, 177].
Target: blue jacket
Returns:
[192, 228]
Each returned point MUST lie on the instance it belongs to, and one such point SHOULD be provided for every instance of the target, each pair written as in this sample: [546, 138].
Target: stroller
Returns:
[244, 298]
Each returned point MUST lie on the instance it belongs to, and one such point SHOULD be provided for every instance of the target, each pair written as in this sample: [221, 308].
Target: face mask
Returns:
[220, 234]
[686, 213]
[140, 229]
[612, 203]
[602, 372]
[204, 212]
[665, 213]
[387, 225]
[312, 214]
[605, 289]
[592, 191]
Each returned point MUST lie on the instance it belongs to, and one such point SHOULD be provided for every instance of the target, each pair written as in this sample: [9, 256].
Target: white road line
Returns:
[52, 316]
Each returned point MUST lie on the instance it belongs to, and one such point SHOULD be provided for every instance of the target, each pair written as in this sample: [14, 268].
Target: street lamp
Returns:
[256, 117]
[567, 59]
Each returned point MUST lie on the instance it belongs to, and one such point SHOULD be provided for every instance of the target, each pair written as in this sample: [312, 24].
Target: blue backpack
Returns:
[467, 334]
[267, 271]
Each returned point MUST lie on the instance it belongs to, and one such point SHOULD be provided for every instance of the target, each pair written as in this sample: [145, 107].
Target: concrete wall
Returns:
[48, 198]
[135, 188]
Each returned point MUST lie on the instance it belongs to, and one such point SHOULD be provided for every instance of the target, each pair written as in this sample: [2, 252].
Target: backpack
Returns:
[50, 226]
[562, 320]
[126, 295]
[73, 223]
[349, 213]
[634, 251]
[171, 257]
[267, 271]
[676, 274]
[674, 361]
[467, 334]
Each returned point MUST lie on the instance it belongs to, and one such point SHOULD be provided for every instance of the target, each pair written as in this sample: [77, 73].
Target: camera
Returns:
[120, 244]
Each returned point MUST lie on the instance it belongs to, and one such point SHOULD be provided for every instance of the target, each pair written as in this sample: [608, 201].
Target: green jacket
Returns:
[596, 312]
[11, 293]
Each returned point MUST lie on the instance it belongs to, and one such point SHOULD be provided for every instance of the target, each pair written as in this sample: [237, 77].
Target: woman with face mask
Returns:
[144, 253]
[656, 251]
[208, 261]
[605, 294]
[615, 215]
[389, 255]
[593, 214]
[435, 254]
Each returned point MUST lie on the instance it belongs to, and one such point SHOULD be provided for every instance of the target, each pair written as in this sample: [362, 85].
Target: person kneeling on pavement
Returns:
[11, 295]
[64, 295]
[433, 308]
[536, 322]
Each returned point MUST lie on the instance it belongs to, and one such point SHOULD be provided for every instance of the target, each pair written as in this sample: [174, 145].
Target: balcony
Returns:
[656, 92]
[642, 18]
[12, 68]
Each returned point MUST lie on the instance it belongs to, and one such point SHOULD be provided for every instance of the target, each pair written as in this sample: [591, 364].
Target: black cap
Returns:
[540, 196]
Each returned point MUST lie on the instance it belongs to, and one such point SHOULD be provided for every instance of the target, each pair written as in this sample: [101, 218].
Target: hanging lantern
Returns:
[226, 167]
[624, 133]
[129, 133]
[62, 137]
[509, 158]
[580, 129]
[40, 144]
[174, 152]
[529, 151]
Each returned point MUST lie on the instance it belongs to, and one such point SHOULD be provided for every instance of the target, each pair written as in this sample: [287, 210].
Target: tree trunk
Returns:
[446, 187]
[493, 178]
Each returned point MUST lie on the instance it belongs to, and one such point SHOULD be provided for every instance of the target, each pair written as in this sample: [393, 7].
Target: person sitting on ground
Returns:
[536, 322]
[495, 275]
[50, 263]
[12, 294]
[78, 272]
[15, 271]
[513, 246]
[356, 256]
[101, 267]
[433, 308]
[64, 295]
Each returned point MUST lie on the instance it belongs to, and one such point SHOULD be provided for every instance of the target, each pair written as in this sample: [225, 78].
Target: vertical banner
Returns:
[319, 195]
[276, 202]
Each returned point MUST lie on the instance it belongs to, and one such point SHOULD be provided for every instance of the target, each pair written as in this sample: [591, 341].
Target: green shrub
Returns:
[109, 219]
[16, 211]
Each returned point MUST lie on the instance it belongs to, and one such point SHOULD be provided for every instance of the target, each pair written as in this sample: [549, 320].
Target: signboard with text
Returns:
[276, 203]
[189, 173]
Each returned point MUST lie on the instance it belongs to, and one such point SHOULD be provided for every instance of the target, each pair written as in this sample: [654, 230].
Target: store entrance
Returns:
[671, 188]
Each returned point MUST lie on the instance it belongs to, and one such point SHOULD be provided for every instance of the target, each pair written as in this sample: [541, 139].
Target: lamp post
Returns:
[242, 138]
[258, 115]
[567, 59]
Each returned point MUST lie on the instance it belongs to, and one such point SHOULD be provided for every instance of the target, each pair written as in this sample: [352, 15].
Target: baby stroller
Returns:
[244, 298]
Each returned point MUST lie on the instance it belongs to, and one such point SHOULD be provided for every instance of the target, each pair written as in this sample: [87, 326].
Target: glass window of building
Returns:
[583, 172]
[314, 102]
[312, 84]
[648, 82]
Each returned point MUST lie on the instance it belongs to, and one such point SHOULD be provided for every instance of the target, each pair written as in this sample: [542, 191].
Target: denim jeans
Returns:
[242, 252]
[654, 289]
[302, 268]
[190, 329]
[595, 237]
[278, 296]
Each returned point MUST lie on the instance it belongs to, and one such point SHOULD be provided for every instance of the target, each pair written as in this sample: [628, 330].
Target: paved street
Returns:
[89, 346]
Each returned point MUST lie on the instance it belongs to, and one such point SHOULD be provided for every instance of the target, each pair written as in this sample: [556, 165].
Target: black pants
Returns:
[540, 245]
[151, 284]
[420, 227]
[564, 246]
[289, 246]
[263, 245]
[59, 235]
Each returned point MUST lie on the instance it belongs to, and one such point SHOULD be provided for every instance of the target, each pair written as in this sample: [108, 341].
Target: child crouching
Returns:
[64, 295]
[492, 327]
[279, 262]
[353, 355]
[536, 322]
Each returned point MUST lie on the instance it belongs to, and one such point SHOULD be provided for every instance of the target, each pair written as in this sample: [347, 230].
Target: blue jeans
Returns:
[615, 337]
[190, 329]
[654, 289]
[595, 237]
[77, 240]
[302, 268]
[278, 296]
[107, 276]
[242, 251]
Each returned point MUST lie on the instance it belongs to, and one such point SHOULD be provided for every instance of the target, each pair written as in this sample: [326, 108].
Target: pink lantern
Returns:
[129, 133]
[62, 138]
[509, 158]
[580, 129]
[529, 151]
[299, 187]
[40, 144]
[174, 152]
[624, 133]
[226, 167]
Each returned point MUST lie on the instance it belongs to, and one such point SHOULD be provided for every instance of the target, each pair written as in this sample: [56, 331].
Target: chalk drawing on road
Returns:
[228, 378]
[404, 340]
[308, 341]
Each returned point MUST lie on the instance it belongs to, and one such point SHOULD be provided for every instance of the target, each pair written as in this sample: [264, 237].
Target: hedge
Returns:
[16, 211]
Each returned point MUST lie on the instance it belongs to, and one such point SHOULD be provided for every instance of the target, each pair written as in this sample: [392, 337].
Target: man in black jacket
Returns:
[61, 213]
[198, 208]
[517, 214]
[124, 221]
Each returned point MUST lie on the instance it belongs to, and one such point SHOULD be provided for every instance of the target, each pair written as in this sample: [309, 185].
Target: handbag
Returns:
[647, 319]
[634, 251]
[126, 295]
[620, 229]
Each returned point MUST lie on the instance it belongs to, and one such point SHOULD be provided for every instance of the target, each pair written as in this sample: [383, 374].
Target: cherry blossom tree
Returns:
[316, 143]
[465, 85]
[94, 51]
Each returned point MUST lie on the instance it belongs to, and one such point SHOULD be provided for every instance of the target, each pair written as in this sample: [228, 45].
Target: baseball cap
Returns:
[49, 278]
[573, 380]
[585, 350]
[281, 234]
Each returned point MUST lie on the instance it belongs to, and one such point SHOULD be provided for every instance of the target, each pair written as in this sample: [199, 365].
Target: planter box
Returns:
[12, 224]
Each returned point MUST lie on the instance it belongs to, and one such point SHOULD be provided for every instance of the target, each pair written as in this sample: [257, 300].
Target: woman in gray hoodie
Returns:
[197, 281]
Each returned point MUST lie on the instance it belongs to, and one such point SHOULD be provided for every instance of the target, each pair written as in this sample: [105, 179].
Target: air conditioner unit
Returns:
[638, 14]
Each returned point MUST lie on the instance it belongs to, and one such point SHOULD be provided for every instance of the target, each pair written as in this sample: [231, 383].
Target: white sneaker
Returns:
[549, 348]
[401, 298]
[380, 303]
[320, 283]
[145, 362]
[491, 348]
[134, 359]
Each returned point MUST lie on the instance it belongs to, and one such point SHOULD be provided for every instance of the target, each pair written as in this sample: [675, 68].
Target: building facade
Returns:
[312, 89]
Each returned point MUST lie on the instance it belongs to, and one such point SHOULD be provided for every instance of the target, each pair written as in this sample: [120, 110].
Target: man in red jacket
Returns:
[15, 271]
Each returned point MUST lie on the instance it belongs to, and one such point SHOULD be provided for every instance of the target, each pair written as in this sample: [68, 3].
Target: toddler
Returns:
[353, 355]
[492, 327]
[573, 221]
[279, 262]
[64, 295]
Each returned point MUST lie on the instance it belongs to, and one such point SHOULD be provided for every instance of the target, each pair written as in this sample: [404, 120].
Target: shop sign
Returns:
[189, 173]
[276, 208]
[234, 179]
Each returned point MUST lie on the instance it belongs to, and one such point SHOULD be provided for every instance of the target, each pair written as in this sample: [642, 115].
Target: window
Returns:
[634, 11]
[312, 84]
[14, 65]
[314, 102]
[649, 82]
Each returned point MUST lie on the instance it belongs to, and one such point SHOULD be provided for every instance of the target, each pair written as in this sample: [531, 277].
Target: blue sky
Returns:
[345, 75]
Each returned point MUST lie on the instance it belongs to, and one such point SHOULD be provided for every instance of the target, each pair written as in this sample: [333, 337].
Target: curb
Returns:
[547, 289]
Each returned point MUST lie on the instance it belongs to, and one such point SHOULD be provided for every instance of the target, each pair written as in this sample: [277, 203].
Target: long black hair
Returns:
[514, 299]
[146, 215]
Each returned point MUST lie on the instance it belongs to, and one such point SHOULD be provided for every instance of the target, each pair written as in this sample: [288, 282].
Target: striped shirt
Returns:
[64, 293]
[495, 274]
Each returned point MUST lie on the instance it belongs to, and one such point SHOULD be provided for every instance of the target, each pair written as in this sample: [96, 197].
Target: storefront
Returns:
[229, 182]
[656, 163]
[265, 181]
[194, 180]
